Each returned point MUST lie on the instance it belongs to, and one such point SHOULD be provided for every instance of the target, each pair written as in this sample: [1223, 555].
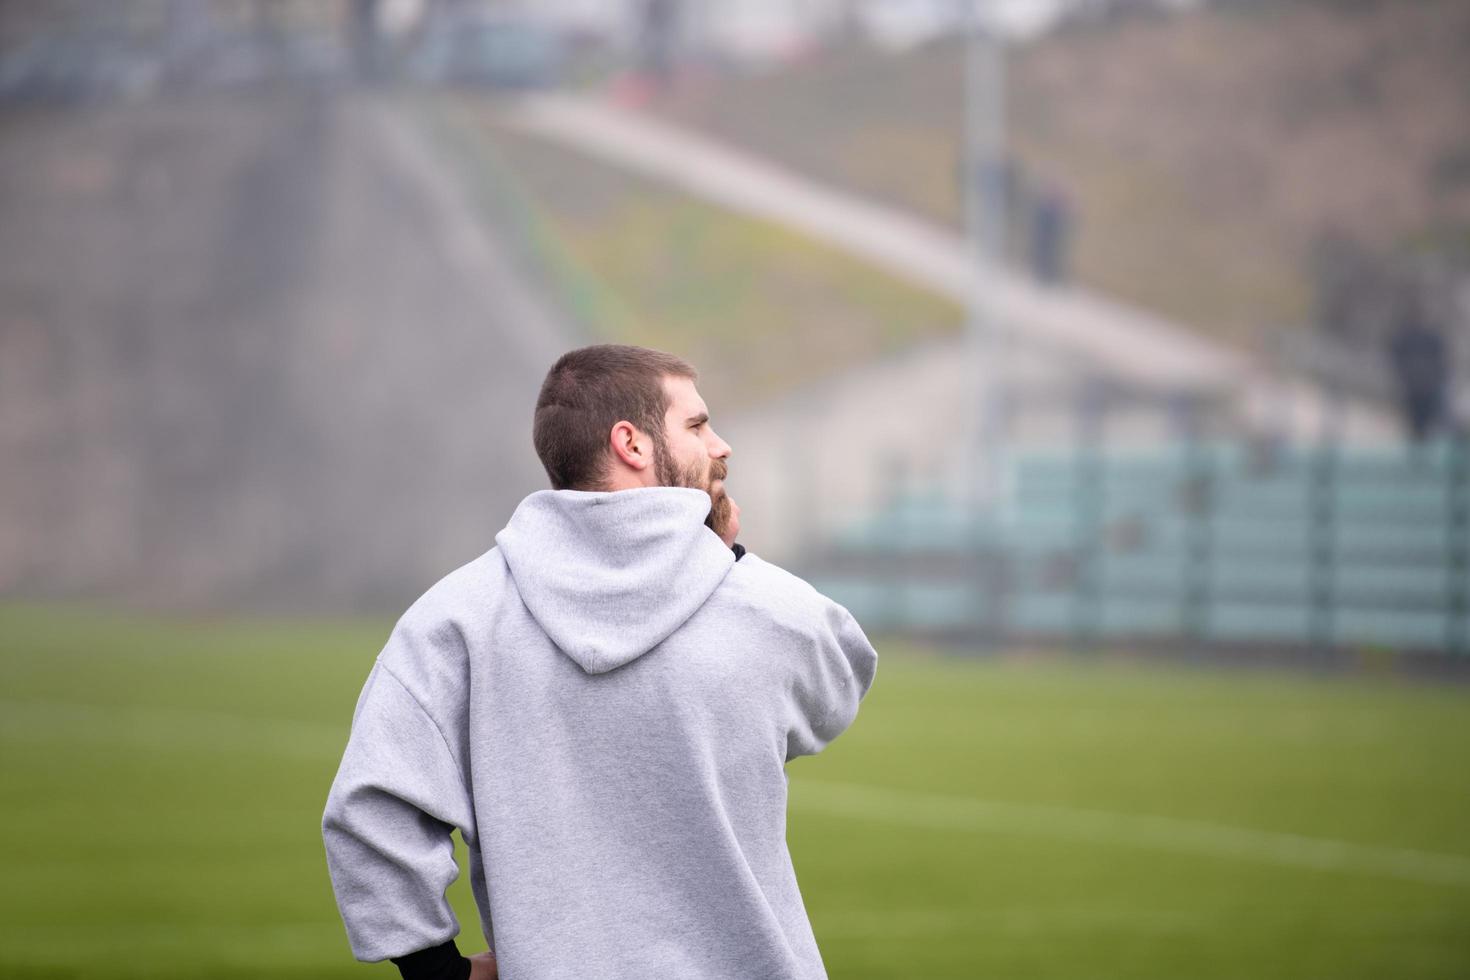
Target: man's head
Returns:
[614, 417]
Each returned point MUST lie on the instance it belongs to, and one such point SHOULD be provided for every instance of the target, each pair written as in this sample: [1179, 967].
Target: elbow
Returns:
[864, 668]
[333, 812]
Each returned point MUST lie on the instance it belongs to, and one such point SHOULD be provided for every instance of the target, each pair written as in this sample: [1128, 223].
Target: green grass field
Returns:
[163, 783]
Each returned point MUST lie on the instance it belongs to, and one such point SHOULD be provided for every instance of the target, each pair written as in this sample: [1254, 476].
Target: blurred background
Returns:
[1107, 358]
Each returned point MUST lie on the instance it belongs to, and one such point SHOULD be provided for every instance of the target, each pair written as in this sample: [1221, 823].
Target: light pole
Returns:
[985, 191]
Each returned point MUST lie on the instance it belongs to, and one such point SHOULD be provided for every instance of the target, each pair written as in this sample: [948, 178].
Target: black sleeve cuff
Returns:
[435, 963]
[739, 550]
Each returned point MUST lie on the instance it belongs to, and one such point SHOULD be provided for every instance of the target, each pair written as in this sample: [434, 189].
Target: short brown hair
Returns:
[587, 392]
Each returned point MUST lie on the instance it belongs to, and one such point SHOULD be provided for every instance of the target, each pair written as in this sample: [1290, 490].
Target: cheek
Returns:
[691, 448]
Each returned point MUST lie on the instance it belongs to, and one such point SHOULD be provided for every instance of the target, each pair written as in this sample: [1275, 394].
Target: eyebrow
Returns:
[694, 419]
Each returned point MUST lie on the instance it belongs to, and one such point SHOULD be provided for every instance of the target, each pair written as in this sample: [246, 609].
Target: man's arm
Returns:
[397, 798]
[832, 677]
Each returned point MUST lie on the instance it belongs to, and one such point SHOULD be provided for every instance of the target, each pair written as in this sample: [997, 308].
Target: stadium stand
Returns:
[1214, 542]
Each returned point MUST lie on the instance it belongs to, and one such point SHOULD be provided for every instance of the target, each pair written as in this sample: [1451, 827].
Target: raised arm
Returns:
[831, 678]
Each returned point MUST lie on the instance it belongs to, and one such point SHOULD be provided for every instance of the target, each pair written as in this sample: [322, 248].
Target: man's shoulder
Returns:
[771, 592]
[462, 592]
[753, 571]
[437, 623]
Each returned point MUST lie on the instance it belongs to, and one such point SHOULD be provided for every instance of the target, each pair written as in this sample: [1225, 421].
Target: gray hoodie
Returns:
[603, 705]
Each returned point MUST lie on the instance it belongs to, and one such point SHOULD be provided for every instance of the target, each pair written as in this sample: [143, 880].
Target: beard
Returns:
[670, 474]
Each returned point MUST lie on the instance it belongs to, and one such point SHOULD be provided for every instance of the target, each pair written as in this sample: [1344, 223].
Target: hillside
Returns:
[762, 309]
[1203, 155]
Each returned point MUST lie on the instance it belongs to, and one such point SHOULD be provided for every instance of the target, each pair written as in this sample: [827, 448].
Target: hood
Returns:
[609, 576]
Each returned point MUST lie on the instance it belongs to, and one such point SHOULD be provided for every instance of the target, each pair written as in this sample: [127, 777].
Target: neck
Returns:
[626, 478]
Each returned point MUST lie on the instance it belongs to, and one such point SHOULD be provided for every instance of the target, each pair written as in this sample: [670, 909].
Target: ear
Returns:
[631, 447]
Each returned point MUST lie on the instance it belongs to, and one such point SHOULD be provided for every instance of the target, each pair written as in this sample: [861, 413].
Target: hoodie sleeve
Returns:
[832, 677]
[397, 797]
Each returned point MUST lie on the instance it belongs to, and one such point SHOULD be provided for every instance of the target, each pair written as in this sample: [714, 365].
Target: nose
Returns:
[721, 448]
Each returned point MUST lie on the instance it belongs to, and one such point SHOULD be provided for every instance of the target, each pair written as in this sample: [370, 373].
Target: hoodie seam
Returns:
[459, 775]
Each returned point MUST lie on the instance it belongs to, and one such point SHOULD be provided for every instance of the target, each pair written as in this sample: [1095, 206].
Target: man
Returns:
[603, 705]
[1417, 351]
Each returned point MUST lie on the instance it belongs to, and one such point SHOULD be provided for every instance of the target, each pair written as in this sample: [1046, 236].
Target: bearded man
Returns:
[603, 705]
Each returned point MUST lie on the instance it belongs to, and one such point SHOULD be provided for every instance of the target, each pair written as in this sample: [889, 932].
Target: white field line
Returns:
[169, 729]
[179, 729]
[942, 812]
[1053, 920]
